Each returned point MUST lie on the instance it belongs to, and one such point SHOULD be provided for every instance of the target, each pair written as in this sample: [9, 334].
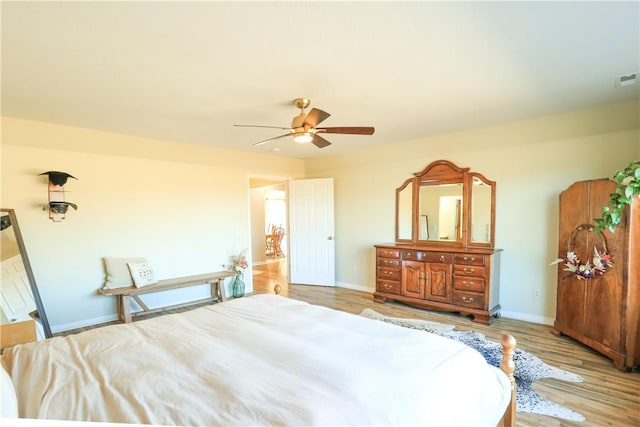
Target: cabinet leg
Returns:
[483, 318]
[377, 298]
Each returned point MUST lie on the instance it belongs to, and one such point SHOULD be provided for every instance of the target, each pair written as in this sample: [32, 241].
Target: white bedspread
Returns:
[259, 360]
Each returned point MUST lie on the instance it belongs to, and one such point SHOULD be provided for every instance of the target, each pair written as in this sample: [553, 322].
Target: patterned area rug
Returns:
[529, 368]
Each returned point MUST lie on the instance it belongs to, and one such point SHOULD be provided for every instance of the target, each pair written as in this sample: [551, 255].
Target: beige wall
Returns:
[187, 207]
[184, 207]
[532, 161]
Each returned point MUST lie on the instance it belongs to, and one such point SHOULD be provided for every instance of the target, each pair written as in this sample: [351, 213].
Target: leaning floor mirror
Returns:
[20, 300]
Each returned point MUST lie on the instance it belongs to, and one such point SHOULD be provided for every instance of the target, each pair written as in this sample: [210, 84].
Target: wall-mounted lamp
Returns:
[57, 205]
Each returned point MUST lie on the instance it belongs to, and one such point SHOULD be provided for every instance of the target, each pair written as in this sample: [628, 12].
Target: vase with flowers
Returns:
[238, 264]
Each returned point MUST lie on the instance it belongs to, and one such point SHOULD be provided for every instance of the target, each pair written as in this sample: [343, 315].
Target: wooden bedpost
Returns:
[508, 367]
[277, 289]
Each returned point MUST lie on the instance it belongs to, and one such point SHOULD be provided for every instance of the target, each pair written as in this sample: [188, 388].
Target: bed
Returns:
[258, 360]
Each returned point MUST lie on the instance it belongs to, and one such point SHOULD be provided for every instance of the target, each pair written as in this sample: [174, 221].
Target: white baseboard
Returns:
[355, 287]
[527, 317]
[83, 323]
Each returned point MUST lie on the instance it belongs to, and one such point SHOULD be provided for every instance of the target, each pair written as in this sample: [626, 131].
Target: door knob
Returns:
[330, 237]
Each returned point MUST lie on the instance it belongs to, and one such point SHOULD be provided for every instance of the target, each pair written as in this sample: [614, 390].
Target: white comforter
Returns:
[260, 360]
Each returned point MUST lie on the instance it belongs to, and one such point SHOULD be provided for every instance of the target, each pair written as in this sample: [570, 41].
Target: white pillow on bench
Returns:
[142, 273]
[118, 273]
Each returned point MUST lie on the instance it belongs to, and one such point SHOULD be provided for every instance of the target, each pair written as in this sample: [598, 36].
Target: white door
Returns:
[15, 293]
[311, 228]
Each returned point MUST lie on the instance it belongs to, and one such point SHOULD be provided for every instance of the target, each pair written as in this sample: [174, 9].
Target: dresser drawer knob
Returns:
[387, 286]
[469, 259]
[442, 258]
[468, 270]
[467, 284]
[468, 300]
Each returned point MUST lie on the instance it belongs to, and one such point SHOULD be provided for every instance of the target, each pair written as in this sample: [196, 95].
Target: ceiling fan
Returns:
[304, 127]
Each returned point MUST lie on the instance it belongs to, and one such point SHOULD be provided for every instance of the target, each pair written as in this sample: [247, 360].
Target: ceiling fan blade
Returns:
[261, 126]
[271, 139]
[315, 116]
[319, 141]
[353, 130]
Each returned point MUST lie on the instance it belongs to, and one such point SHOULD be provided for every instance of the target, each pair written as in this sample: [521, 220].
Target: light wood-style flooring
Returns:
[607, 397]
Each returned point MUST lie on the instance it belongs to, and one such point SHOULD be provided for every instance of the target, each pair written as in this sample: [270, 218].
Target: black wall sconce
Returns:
[57, 205]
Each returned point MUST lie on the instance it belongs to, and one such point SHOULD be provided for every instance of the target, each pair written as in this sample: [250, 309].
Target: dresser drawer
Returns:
[470, 259]
[427, 256]
[388, 253]
[468, 299]
[471, 284]
[387, 262]
[388, 287]
[388, 273]
[471, 270]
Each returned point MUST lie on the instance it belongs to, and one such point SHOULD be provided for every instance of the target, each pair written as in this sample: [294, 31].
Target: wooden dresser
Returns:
[443, 257]
[602, 312]
[440, 278]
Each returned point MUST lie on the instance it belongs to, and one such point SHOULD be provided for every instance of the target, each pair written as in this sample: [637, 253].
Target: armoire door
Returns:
[603, 299]
[570, 312]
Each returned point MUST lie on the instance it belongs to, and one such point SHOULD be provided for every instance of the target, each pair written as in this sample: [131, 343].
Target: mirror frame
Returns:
[42, 316]
[492, 232]
[413, 202]
[442, 172]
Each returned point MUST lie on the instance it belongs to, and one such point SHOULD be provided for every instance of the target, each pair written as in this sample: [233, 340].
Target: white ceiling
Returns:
[187, 71]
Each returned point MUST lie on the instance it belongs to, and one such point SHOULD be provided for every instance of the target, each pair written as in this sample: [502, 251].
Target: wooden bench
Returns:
[124, 295]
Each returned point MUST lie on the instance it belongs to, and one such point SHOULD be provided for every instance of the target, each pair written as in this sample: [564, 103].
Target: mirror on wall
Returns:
[482, 213]
[446, 205]
[404, 211]
[440, 212]
[20, 298]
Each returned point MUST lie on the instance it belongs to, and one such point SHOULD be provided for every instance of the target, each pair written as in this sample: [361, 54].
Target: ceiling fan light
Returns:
[303, 138]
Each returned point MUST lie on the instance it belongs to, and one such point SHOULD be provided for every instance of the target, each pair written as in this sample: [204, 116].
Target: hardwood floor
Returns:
[607, 397]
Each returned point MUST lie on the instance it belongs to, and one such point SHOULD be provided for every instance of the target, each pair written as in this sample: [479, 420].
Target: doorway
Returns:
[268, 214]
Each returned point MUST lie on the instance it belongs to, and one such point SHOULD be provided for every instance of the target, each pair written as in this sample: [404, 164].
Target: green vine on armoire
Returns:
[628, 186]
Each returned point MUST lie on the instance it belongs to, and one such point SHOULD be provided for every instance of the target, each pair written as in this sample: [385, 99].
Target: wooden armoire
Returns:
[602, 312]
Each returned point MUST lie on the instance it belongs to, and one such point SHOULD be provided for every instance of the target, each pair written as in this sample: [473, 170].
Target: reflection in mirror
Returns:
[481, 211]
[20, 299]
[440, 210]
[404, 215]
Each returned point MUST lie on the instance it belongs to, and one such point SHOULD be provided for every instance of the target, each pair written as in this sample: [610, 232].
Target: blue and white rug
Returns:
[529, 368]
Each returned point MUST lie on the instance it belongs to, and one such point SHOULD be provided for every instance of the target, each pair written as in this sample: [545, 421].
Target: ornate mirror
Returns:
[446, 205]
[20, 299]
